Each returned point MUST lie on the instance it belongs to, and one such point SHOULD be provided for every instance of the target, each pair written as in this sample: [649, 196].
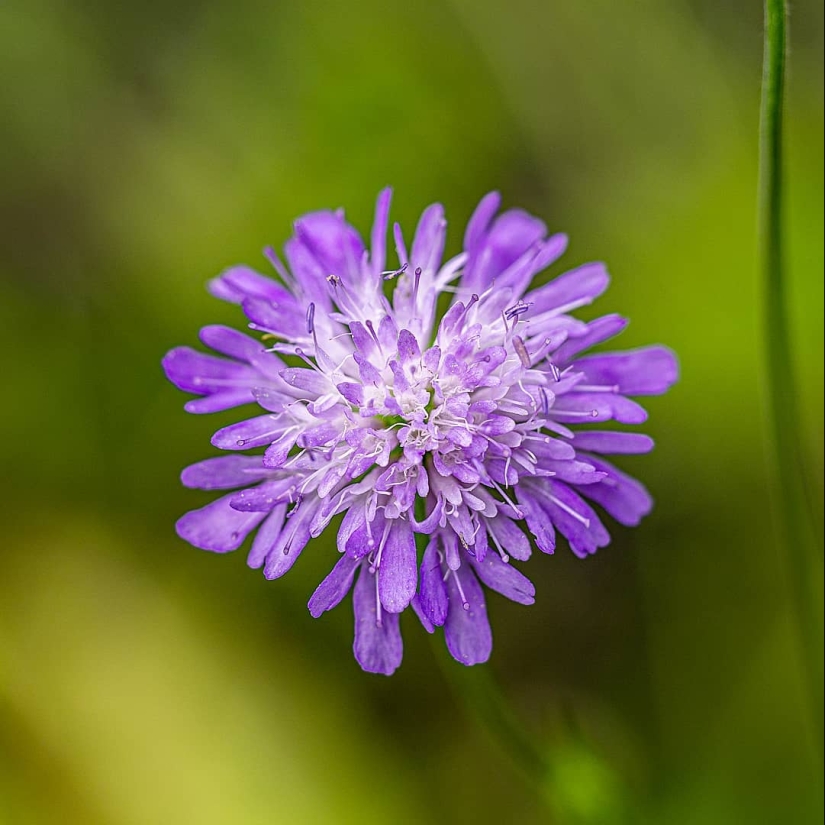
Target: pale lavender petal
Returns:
[428, 243]
[377, 646]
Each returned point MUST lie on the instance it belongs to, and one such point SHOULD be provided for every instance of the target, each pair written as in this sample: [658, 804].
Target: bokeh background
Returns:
[145, 147]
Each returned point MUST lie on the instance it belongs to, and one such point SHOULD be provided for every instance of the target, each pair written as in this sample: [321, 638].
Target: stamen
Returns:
[378, 620]
[464, 603]
[596, 388]
[575, 414]
[521, 351]
[392, 273]
[311, 319]
[416, 282]
[570, 511]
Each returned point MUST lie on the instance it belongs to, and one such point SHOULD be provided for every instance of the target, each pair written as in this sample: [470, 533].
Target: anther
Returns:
[521, 351]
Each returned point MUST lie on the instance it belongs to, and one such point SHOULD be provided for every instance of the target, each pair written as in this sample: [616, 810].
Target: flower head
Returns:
[463, 429]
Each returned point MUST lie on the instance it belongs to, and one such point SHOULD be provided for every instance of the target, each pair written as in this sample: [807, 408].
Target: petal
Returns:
[612, 442]
[510, 236]
[467, 629]
[572, 516]
[194, 371]
[428, 243]
[254, 432]
[433, 592]
[217, 527]
[625, 498]
[266, 537]
[480, 220]
[504, 578]
[219, 401]
[377, 646]
[334, 587]
[510, 536]
[239, 282]
[291, 541]
[591, 407]
[581, 285]
[378, 239]
[224, 473]
[645, 371]
[398, 574]
[538, 521]
[597, 331]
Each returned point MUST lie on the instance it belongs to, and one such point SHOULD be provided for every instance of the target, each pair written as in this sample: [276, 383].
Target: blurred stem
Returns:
[801, 556]
[478, 691]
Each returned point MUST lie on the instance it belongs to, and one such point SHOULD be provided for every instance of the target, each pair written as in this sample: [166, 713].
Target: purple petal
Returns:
[422, 617]
[219, 401]
[334, 244]
[217, 527]
[510, 537]
[378, 240]
[397, 577]
[467, 629]
[505, 579]
[228, 341]
[254, 432]
[480, 220]
[260, 499]
[334, 587]
[612, 442]
[645, 371]
[538, 521]
[377, 646]
[598, 406]
[572, 516]
[408, 349]
[224, 473]
[266, 537]
[625, 498]
[198, 372]
[433, 591]
[510, 236]
[240, 282]
[428, 243]
[597, 331]
[583, 284]
[291, 541]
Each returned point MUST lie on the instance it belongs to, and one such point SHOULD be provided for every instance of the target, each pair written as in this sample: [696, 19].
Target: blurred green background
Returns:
[147, 146]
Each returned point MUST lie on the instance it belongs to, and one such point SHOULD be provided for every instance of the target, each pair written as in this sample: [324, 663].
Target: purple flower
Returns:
[462, 429]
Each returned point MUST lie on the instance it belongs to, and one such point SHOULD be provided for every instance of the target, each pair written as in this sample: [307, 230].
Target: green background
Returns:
[147, 146]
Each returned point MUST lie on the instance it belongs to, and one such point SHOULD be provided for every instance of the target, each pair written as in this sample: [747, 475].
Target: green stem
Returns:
[801, 556]
[480, 694]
